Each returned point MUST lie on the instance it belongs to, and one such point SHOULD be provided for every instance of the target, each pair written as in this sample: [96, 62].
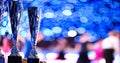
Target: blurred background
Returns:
[65, 24]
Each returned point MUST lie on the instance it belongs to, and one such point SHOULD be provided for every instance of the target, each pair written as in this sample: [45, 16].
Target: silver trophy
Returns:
[1, 17]
[33, 24]
[14, 8]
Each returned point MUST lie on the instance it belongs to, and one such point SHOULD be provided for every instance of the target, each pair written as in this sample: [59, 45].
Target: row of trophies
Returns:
[14, 10]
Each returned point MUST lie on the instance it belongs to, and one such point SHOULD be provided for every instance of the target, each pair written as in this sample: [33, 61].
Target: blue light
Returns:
[23, 33]
[76, 39]
[83, 0]
[84, 19]
[35, 3]
[81, 30]
[67, 12]
[56, 29]
[4, 23]
[49, 15]
[72, 1]
[78, 15]
[2, 31]
[47, 32]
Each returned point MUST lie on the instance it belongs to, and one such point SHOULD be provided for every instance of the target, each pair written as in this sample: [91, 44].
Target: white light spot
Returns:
[47, 32]
[56, 29]
[72, 33]
[49, 15]
[51, 56]
[5, 14]
[81, 30]
[83, 19]
[91, 55]
[67, 12]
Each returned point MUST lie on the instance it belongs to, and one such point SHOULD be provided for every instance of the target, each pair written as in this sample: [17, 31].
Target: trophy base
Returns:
[14, 59]
[32, 60]
[2, 60]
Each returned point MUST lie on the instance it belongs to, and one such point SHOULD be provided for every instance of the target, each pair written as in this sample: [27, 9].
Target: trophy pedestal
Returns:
[14, 59]
[2, 60]
[32, 60]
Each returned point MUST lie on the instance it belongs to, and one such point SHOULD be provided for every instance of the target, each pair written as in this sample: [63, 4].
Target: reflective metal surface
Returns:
[33, 24]
[13, 12]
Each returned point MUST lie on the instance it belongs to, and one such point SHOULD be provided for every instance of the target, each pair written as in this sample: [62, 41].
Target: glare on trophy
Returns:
[13, 13]
[33, 24]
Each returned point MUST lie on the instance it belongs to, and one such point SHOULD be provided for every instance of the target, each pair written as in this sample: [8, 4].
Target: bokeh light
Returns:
[56, 29]
[72, 33]
[67, 12]
[58, 17]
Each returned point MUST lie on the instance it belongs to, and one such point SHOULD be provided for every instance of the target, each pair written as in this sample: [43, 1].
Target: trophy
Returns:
[1, 12]
[13, 8]
[33, 24]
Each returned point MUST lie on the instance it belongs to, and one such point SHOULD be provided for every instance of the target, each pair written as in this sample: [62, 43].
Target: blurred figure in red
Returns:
[85, 46]
[61, 47]
[7, 43]
[110, 45]
[98, 50]
[6, 46]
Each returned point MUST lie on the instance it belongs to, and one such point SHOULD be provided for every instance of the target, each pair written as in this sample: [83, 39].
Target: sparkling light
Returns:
[67, 12]
[23, 33]
[3, 30]
[4, 23]
[47, 32]
[72, 1]
[72, 33]
[83, 0]
[49, 15]
[41, 56]
[91, 55]
[83, 19]
[81, 30]
[71, 56]
[56, 29]
[51, 56]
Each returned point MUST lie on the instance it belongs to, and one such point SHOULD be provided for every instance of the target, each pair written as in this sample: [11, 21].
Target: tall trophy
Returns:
[1, 12]
[33, 24]
[2, 60]
[14, 8]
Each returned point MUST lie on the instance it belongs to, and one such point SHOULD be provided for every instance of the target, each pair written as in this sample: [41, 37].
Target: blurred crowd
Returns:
[103, 48]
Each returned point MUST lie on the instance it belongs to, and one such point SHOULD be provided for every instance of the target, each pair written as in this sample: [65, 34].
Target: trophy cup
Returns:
[33, 24]
[13, 12]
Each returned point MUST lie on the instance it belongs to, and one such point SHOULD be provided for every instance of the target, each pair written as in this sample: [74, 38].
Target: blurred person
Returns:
[7, 44]
[77, 47]
[110, 45]
[61, 46]
[98, 50]
[83, 56]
